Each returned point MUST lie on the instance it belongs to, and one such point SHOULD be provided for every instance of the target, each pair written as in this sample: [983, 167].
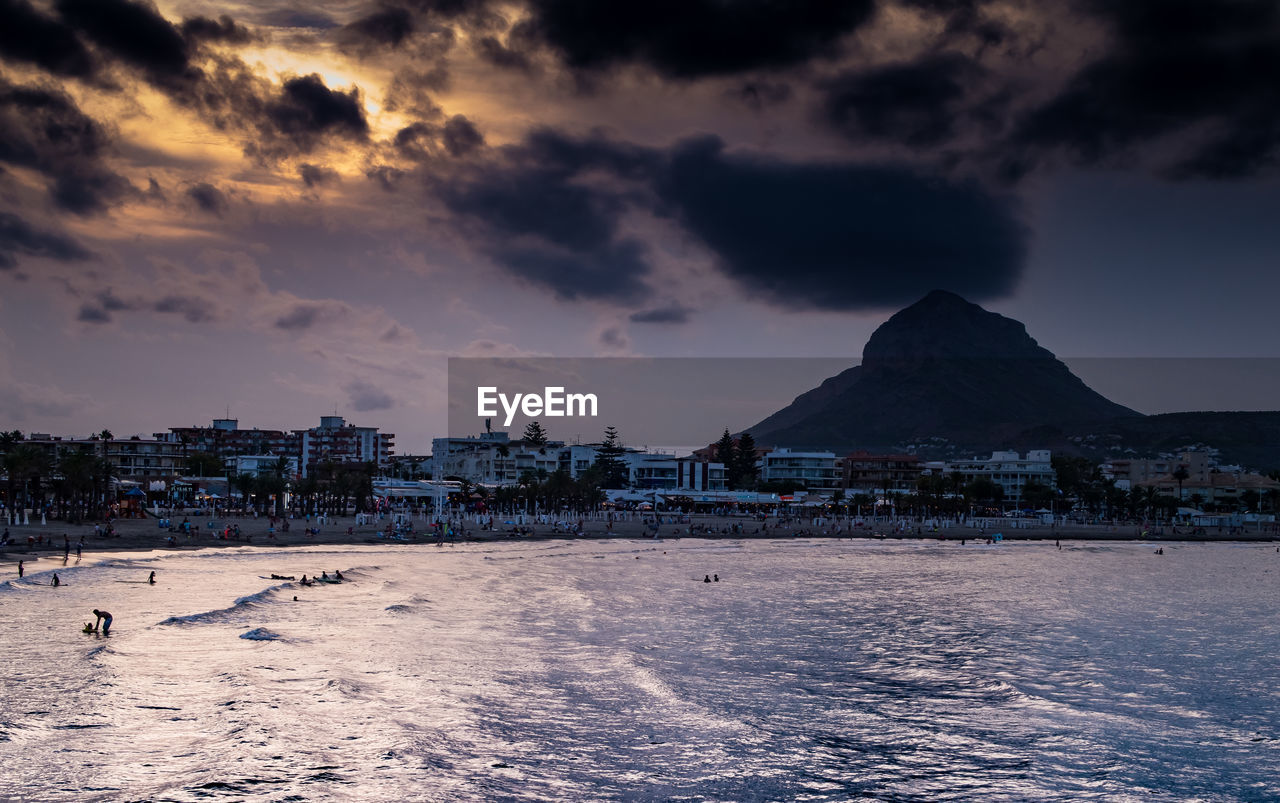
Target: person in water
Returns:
[324, 576]
[706, 579]
[337, 574]
[55, 582]
[105, 618]
[21, 570]
[715, 579]
[152, 579]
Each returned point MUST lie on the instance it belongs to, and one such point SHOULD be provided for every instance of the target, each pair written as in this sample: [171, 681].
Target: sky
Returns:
[282, 210]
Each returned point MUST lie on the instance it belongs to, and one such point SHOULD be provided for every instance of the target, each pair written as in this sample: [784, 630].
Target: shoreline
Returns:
[143, 535]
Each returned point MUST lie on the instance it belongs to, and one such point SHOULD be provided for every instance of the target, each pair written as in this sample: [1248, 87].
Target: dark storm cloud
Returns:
[137, 34]
[32, 36]
[223, 29]
[316, 175]
[19, 238]
[461, 136]
[694, 38]
[614, 338]
[282, 123]
[841, 236]
[759, 95]
[386, 176]
[671, 313]
[91, 313]
[965, 17]
[1171, 65]
[298, 18]
[300, 317]
[208, 198]
[366, 396]
[504, 56]
[827, 235]
[306, 109]
[386, 27]
[42, 129]
[422, 140]
[549, 230]
[192, 308]
[913, 103]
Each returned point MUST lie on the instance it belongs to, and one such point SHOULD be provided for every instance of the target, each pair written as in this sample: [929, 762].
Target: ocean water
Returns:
[607, 670]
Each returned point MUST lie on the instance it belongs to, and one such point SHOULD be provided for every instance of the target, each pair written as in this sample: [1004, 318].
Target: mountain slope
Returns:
[941, 368]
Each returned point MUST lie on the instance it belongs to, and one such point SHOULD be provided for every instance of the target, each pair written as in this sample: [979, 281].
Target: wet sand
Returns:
[145, 534]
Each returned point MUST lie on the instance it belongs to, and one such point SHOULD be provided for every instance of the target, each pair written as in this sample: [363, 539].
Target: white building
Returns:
[667, 472]
[816, 470]
[494, 459]
[336, 440]
[1009, 470]
[260, 464]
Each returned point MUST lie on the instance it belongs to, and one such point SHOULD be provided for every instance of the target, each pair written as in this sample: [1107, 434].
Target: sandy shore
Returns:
[145, 534]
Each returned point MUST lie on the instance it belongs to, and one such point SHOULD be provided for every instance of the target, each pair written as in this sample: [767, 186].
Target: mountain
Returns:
[943, 369]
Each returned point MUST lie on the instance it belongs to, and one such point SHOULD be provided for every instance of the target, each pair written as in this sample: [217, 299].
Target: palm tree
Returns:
[22, 463]
[103, 474]
[79, 472]
[246, 484]
[1181, 474]
[280, 471]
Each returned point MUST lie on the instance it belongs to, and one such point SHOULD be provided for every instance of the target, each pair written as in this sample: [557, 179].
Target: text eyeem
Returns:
[553, 403]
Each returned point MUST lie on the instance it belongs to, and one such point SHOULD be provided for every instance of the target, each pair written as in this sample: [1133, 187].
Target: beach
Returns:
[145, 534]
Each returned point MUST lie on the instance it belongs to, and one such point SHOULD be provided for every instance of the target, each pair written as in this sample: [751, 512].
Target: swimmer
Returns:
[152, 579]
[715, 579]
[55, 582]
[105, 618]
[22, 571]
[338, 574]
[706, 579]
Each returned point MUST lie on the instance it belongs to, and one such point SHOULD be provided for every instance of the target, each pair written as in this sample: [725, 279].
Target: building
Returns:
[862, 472]
[1009, 470]
[816, 471]
[1128, 473]
[133, 458]
[261, 465]
[337, 441]
[225, 439]
[494, 459]
[1214, 487]
[666, 472]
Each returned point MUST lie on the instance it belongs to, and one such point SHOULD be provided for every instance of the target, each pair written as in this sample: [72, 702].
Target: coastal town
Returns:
[340, 468]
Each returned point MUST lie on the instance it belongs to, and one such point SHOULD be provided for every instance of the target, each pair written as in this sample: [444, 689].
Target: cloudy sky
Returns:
[285, 209]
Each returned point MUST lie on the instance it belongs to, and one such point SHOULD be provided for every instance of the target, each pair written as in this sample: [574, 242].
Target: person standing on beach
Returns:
[105, 618]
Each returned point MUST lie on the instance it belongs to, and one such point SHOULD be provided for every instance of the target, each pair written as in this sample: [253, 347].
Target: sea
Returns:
[583, 670]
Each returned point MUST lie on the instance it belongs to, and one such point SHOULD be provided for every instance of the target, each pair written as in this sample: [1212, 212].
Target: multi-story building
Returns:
[863, 472]
[1130, 472]
[670, 473]
[133, 458]
[224, 440]
[815, 470]
[1009, 470]
[494, 459]
[261, 464]
[337, 441]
